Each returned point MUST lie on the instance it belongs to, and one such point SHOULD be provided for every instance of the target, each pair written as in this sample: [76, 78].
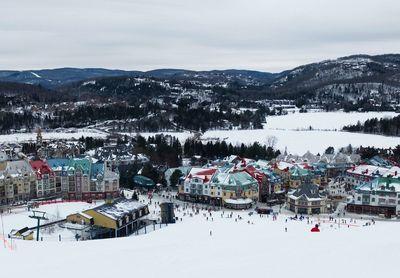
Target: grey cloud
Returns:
[268, 35]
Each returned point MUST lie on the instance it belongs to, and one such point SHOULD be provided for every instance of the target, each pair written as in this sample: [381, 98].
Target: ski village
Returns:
[112, 200]
[199, 139]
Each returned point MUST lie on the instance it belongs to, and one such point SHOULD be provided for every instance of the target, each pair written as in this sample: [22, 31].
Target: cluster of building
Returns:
[238, 183]
[376, 189]
[24, 179]
[309, 184]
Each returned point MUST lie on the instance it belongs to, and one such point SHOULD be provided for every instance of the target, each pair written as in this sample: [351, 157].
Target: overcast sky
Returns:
[267, 35]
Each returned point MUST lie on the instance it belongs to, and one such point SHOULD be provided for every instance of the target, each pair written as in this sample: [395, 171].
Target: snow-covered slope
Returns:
[251, 247]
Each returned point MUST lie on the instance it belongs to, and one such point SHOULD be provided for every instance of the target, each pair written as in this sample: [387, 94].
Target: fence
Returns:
[49, 202]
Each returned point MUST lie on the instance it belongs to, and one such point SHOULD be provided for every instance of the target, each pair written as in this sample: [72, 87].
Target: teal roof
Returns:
[140, 180]
[380, 185]
[298, 172]
[233, 181]
[83, 163]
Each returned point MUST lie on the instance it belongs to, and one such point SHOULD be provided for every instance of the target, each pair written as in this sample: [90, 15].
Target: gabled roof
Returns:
[381, 184]
[40, 167]
[119, 208]
[309, 191]
[299, 172]
[97, 168]
[58, 164]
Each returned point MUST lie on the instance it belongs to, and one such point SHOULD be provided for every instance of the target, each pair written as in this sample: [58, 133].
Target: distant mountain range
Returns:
[350, 76]
[52, 78]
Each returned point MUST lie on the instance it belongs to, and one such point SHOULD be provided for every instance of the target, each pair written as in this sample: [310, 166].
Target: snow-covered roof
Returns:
[368, 170]
[282, 165]
[308, 191]
[381, 184]
[119, 208]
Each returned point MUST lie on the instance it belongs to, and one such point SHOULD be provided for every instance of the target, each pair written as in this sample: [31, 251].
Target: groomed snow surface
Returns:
[253, 246]
[19, 218]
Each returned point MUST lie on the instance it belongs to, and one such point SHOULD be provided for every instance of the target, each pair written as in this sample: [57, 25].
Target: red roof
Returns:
[250, 169]
[40, 167]
[207, 172]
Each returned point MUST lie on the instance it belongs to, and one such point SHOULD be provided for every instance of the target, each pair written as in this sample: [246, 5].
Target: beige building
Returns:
[307, 200]
[17, 181]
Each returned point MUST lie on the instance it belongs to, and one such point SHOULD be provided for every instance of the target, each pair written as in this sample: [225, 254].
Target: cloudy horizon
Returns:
[265, 35]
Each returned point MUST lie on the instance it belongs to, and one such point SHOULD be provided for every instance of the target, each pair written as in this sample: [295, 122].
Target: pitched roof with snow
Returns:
[119, 208]
[368, 170]
[234, 181]
[309, 191]
[381, 185]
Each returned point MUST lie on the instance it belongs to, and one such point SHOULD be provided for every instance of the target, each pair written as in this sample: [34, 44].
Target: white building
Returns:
[380, 197]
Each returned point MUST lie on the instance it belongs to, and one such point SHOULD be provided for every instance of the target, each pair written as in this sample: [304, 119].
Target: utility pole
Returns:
[39, 215]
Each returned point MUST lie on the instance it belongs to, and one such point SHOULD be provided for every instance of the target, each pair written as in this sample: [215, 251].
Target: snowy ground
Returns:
[73, 134]
[292, 132]
[19, 218]
[252, 246]
[322, 120]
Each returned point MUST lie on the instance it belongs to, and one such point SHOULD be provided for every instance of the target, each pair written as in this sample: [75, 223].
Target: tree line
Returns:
[384, 126]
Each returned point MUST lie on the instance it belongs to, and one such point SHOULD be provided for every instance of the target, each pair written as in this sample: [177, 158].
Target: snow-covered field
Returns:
[73, 134]
[322, 120]
[292, 132]
[253, 246]
[299, 142]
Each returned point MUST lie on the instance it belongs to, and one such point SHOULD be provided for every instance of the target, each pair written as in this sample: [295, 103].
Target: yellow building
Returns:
[80, 218]
[24, 234]
[121, 217]
[236, 185]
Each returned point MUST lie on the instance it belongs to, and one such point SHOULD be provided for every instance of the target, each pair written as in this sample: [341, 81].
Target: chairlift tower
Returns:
[39, 215]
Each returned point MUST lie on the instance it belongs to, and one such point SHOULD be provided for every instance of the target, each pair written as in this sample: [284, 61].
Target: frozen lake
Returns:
[293, 132]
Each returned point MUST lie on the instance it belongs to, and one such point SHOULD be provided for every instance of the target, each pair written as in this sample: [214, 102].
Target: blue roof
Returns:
[58, 162]
[97, 168]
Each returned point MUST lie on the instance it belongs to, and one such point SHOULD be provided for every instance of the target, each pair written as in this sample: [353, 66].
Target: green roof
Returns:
[233, 181]
[140, 180]
[298, 172]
